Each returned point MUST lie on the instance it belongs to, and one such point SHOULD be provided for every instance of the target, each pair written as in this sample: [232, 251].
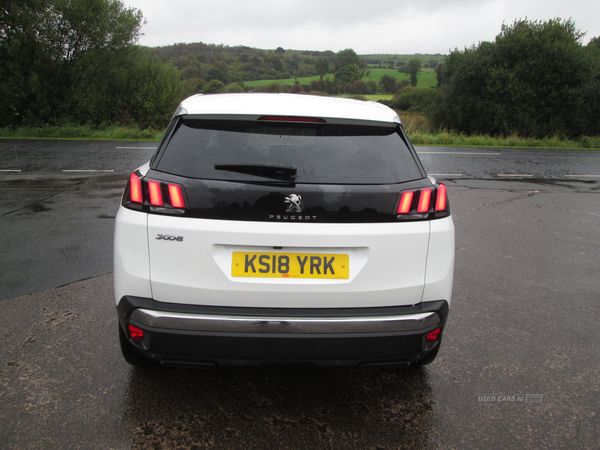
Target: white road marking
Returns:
[517, 175]
[143, 148]
[10, 170]
[88, 170]
[457, 153]
[446, 174]
[582, 175]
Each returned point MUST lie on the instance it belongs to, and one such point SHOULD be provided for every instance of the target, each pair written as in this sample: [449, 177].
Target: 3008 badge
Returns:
[166, 237]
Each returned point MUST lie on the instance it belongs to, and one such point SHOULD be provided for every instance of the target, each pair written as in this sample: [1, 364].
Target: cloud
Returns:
[377, 26]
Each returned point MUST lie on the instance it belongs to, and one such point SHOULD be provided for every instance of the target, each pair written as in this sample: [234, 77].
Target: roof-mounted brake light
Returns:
[291, 119]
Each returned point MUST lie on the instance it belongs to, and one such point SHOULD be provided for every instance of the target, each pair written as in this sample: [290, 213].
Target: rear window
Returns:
[319, 153]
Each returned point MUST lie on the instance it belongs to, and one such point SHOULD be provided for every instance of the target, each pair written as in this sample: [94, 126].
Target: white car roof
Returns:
[254, 105]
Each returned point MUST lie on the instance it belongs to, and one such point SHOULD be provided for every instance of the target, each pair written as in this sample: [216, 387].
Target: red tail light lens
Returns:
[424, 201]
[440, 203]
[135, 189]
[176, 196]
[434, 336]
[136, 333]
[155, 192]
[406, 202]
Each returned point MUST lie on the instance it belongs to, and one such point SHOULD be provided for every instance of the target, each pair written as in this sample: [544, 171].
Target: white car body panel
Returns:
[439, 274]
[197, 270]
[131, 261]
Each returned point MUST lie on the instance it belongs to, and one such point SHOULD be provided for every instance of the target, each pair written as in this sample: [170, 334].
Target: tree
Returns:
[322, 67]
[412, 68]
[191, 72]
[347, 74]
[349, 57]
[215, 74]
[536, 79]
[141, 88]
[53, 52]
[388, 83]
[439, 73]
[213, 87]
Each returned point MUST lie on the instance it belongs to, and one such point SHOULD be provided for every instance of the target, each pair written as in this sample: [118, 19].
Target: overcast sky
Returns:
[367, 26]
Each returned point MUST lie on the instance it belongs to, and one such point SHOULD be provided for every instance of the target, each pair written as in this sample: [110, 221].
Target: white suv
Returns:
[282, 228]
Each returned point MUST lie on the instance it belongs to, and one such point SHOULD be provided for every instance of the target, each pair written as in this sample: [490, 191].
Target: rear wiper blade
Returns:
[261, 170]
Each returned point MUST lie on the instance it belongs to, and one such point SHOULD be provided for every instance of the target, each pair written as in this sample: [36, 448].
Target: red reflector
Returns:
[155, 193]
[405, 202]
[440, 203]
[424, 201]
[292, 119]
[431, 337]
[176, 196]
[136, 333]
[135, 189]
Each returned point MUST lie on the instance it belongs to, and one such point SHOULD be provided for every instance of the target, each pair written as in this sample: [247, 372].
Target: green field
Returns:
[427, 78]
[286, 82]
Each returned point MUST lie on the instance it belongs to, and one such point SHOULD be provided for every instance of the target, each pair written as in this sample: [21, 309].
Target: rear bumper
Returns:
[186, 335]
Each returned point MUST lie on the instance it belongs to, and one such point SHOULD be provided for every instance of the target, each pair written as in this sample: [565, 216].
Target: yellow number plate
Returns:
[290, 265]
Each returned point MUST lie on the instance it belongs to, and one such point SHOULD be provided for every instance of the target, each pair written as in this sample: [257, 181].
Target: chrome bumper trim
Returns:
[284, 325]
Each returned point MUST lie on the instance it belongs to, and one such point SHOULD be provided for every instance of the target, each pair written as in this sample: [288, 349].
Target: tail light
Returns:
[431, 339]
[421, 203]
[135, 189]
[137, 334]
[424, 201]
[176, 196]
[164, 197]
[434, 336]
[155, 191]
[442, 198]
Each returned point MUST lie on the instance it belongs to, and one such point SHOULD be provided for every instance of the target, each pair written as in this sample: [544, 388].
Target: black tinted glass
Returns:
[320, 153]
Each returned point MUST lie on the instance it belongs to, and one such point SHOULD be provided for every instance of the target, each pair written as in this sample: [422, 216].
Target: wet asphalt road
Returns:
[519, 365]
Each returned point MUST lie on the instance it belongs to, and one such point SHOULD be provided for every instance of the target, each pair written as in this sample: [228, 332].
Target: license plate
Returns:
[290, 265]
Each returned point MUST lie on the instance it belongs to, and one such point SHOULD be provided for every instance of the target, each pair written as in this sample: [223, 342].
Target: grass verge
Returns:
[451, 139]
[110, 132]
[417, 127]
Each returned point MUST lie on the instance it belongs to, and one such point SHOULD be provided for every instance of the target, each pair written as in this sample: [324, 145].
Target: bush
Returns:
[356, 88]
[535, 80]
[193, 86]
[415, 99]
[235, 88]
[324, 85]
[388, 83]
[214, 87]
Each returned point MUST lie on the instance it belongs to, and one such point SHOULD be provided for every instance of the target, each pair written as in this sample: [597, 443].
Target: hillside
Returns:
[255, 67]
